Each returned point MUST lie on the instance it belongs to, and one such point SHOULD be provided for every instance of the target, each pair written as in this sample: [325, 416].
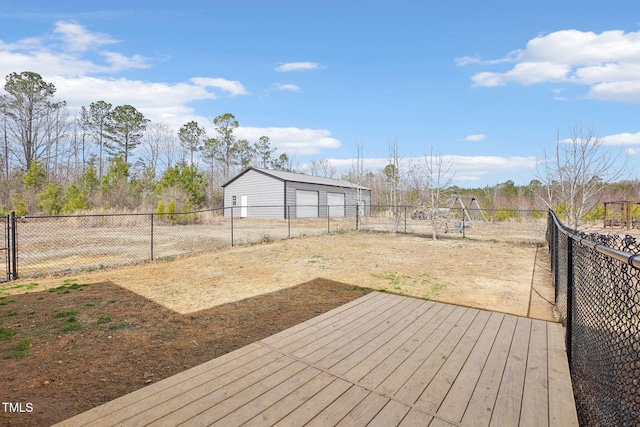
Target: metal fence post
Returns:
[328, 220]
[151, 236]
[570, 282]
[405, 220]
[231, 226]
[14, 248]
[289, 220]
[464, 234]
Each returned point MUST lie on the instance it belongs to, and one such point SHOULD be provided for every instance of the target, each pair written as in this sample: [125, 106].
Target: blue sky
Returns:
[488, 83]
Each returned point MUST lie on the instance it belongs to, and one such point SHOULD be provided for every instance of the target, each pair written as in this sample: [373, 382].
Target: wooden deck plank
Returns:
[436, 391]
[213, 413]
[479, 408]
[441, 423]
[416, 418]
[290, 402]
[364, 412]
[334, 413]
[161, 391]
[198, 399]
[316, 404]
[506, 411]
[562, 410]
[386, 360]
[391, 415]
[459, 395]
[254, 407]
[535, 397]
[374, 375]
[358, 364]
[338, 311]
[318, 330]
[415, 385]
[310, 343]
[344, 344]
[403, 371]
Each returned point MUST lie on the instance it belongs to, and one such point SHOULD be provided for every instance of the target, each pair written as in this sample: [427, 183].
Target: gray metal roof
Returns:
[298, 177]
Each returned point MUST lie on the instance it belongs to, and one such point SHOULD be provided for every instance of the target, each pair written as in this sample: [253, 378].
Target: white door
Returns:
[306, 204]
[336, 205]
[243, 207]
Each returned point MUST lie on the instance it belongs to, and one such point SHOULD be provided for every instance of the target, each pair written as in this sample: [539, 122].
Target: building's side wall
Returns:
[265, 196]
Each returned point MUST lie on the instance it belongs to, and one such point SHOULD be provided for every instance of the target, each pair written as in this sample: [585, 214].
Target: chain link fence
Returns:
[507, 225]
[598, 297]
[65, 243]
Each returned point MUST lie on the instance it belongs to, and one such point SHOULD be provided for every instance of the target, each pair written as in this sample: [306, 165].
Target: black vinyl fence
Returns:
[598, 297]
[59, 244]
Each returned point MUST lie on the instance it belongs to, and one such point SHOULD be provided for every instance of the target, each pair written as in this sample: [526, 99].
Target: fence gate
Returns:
[9, 248]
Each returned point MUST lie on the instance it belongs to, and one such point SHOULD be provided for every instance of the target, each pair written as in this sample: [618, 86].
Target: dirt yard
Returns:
[71, 343]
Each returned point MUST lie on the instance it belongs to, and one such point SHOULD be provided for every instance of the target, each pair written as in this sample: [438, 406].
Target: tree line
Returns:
[112, 156]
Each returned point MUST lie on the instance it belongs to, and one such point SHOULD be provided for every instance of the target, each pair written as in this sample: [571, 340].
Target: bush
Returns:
[49, 200]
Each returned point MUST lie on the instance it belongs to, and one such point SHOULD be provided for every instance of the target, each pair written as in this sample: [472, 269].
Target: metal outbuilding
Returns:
[266, 193]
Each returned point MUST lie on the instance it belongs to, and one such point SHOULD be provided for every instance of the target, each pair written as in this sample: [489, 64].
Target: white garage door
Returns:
[336, 204]
[306, 204]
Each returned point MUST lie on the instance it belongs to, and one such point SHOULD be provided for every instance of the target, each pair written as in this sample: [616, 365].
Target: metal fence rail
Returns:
[598, 296]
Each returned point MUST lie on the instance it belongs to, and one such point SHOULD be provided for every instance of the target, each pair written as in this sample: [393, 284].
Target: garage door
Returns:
[336, 204]
[306, 204]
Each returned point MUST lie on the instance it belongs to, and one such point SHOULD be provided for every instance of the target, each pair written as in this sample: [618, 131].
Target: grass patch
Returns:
[393, 278]
[266, 239]
[20, 351]
[112, 301]
[73, 325]
[103, 319]
[7, 302]
[426, 285]
[12, 313]
[89, 304]
[61, 314]
[69, 285]
[5, 334]
[120, 325]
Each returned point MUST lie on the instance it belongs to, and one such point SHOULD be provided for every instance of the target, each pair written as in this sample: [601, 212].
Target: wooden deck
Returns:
[381, 360]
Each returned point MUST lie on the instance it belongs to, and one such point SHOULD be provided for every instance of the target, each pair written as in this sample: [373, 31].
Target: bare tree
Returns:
[322, 168]
[575, 176]
[436, 170]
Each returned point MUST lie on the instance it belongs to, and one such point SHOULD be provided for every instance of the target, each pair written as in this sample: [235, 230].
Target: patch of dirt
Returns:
[126, 341]
[140, 324]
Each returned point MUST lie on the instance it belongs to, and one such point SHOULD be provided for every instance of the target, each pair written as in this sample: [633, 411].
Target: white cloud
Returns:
[466, 60]
[231, 86]
[292, 140]
[465, 168]
[624, 138]
[476, 137]
[608, 63]
[77, 38]
[286, 87]
[61, 57]
[62, 52]
[298, 66]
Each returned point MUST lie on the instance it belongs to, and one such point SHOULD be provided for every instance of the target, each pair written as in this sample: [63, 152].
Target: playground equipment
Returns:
[618, 214]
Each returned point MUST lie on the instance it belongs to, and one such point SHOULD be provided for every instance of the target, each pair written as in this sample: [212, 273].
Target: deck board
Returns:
[380, 360]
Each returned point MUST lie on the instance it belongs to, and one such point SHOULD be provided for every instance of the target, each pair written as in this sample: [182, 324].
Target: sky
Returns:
[489, 85]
